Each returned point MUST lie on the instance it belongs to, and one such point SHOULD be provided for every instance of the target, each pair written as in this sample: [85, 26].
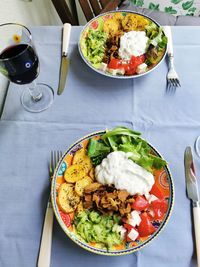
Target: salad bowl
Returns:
[97, 229]
[122, 44]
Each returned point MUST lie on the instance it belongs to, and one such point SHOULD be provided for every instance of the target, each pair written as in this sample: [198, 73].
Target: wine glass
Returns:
[197, 146]
[20, 64]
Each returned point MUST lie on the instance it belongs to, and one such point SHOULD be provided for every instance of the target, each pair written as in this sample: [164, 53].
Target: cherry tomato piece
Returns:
[159, 208]
[131, 70]
[145, 228]
[128, 227]
[137, 60]
[140, 203]
[115, 64]
[156, 192]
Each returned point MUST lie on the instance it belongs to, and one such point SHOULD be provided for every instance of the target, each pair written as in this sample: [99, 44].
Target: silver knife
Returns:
[193, 194]
[65, 57]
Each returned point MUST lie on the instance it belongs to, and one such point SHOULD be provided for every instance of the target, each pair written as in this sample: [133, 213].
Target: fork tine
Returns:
[173, 82]
[55, 156]
[51, 161]
[54, 159]
[170, 86]
[178, 82]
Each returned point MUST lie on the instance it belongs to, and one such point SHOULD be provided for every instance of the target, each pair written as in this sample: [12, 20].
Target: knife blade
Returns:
[190, 174]
[64, 67]
[193, 194]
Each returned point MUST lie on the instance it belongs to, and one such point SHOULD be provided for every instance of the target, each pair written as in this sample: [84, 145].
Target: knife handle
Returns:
[196, 214]
[44, 258]
[168, 33]
[66, 37]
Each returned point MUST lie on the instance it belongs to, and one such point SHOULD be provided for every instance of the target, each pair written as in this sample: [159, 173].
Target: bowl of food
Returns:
[122, 44]
[112, 192]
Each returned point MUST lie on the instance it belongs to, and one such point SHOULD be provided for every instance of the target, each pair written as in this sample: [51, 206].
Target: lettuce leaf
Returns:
[129, 141]
[156, 36]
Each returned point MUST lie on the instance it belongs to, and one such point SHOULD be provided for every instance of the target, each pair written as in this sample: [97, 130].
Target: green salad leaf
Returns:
[156, 44]
[126, 140]
[95, 45]
[97, 151]
[156, 36]
[103, 229]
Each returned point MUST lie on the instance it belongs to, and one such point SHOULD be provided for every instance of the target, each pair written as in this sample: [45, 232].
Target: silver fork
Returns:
[172, 77]
[44, 257]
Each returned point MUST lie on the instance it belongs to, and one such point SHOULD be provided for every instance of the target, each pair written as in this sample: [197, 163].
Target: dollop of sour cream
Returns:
[133, 43]
[117, 169]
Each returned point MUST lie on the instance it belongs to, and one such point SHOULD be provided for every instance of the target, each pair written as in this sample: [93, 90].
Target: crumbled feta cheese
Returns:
[116, 71]
[103, 67]
[122, 231]
[141, 68]
[135, 218]
[133, 234]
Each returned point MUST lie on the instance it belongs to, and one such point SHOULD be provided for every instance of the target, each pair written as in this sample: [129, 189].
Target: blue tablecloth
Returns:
[93, 102]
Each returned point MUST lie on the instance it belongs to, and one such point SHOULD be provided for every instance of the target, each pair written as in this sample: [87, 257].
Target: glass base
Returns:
[197, 146]
[43, 103]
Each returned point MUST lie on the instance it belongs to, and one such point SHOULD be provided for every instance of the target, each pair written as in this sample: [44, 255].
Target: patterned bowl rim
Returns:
[118, 76]
[73, 237]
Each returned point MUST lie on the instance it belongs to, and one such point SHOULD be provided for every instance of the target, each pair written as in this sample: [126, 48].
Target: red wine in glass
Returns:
[20, 63]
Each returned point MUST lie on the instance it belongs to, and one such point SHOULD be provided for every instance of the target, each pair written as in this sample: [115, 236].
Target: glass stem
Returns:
[34, 91]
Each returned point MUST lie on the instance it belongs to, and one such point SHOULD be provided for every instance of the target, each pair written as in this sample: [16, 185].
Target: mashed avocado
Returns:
[95, 46]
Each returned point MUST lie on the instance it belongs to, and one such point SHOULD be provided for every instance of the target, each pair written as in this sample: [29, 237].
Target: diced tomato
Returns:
[66, 218]
[130, 70]
[129, 66]
[159, 208]
[125, 66]
[156, 192]
[115, 64]
[151, 213]
[140, 203]
[146, 227]
[128, 227]
[136, 61]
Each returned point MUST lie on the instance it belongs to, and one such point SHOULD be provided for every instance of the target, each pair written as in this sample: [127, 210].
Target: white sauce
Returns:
[133, 43]
[117, 169]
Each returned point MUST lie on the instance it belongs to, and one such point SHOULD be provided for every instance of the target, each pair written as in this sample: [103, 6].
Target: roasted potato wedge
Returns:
[81, 158]
[67, 198]
[74, 173]
[87, 164]
[78, 156]
[81, 184]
